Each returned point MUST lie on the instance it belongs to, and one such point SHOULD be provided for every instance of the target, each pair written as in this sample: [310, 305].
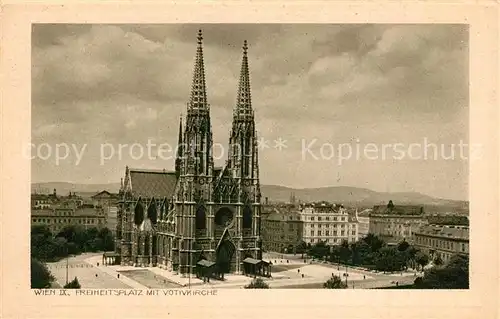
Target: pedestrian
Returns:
[118, 276]
[397, 284]
[364, 277]
[96, 275]
[97, 264]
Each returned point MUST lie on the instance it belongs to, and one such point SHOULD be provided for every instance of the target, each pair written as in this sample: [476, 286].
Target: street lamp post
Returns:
[67, 264]
[346, 274]
[67, 268]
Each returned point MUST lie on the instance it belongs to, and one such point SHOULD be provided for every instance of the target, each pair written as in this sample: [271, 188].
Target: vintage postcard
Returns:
[281, 159]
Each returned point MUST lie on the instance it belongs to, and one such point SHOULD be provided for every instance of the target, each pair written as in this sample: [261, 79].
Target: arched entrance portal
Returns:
[225, 255]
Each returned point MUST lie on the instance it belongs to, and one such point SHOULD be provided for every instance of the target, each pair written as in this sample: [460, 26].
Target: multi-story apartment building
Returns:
[58, 218]
[43, 201]
[363, 218]
[329, 223]
[395, 223]
[59, 211]
[443, 240]
[108, 202]
[282, 230]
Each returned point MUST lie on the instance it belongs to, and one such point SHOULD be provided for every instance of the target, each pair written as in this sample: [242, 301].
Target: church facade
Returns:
[174, 219]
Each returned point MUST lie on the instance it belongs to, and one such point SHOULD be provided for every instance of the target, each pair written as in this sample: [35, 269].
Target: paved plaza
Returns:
[287, 272]
[85, 272]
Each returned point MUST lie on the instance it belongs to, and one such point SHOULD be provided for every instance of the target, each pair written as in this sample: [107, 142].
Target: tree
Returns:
[412, 252]
[257, 283]
[108, 243]
[355, 254]
[94, 245]
[60, 247]
[374, 242]
[73, 249]
[75, 234]
[454, 275]
[402, 246]
[74, 284]
[319, 250]
[301, 248]
[43, 230]
[438, 261]
[40, 275]
[390, 205]
[41, 243]
[345, 252]
[334, 283]
[390, 259]
[422, 259]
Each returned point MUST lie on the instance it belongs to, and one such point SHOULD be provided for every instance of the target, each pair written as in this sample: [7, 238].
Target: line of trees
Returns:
[373, 253]
[370, 252]
[71, 240]
[453, 275]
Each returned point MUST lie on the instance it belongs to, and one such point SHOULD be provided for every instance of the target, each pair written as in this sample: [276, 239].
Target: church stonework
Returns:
[173, 219]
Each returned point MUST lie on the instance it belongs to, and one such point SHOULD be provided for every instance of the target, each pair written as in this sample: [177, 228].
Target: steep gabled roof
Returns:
[152, 183]
[104, 193]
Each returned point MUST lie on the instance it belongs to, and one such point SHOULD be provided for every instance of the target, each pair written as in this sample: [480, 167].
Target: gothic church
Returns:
[174, 219]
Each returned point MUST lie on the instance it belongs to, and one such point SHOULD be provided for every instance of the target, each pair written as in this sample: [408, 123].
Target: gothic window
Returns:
[138, 213]
[152, 213]
[223, 217]
[247, 217]
[201, 218]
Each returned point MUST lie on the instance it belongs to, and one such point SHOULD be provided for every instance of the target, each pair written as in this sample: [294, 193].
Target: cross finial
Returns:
[200, 36]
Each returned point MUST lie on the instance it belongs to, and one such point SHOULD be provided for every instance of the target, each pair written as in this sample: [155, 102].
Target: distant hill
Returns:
[362, 197]
[63, 188]
[349, 196]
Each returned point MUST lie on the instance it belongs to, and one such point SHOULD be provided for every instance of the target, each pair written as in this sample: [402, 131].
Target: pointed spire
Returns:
[179, 140]
[244, 99]
[178, 160]
[198, 99]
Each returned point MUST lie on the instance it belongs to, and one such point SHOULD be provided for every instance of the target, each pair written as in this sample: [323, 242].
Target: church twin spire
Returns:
[194, 154]
[198, 99]
[244, 99]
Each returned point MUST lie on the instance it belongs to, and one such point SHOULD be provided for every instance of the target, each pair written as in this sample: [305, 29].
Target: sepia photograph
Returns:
[250, 156]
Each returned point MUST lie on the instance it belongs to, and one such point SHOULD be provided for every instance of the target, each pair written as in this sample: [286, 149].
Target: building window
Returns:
[319, 218]
[319, 232]
[312, 232]
[327, 233]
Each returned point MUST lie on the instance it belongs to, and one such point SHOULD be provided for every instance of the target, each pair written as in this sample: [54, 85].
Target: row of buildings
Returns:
[286, 226]
[57, 211]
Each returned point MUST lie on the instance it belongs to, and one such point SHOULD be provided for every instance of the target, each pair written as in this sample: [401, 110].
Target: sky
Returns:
[99, 88]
